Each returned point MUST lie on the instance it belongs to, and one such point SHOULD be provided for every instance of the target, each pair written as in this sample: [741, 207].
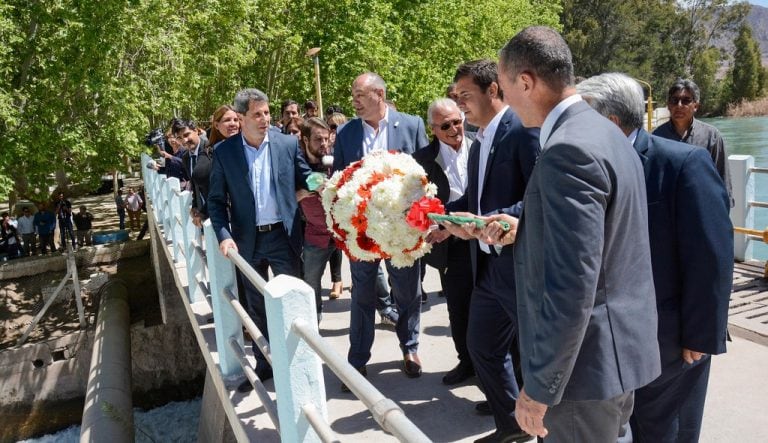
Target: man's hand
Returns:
[530, 415]
[225, 245]
[493, 234]
[467, 231]
[690, 356]
[197, 217]
[437, 236]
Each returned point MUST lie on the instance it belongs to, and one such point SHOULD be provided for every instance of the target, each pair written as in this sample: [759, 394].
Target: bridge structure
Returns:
[308, 365]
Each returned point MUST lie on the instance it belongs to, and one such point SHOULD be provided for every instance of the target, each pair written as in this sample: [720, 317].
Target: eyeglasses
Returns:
[447, 125]
[679, 101]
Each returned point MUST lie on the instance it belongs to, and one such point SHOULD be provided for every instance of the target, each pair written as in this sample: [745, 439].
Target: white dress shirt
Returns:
[486, 136]
[260, 173]
[375, 140]
[454, 165]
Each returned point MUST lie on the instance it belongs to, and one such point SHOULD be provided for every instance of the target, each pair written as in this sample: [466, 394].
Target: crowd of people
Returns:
[592, 319]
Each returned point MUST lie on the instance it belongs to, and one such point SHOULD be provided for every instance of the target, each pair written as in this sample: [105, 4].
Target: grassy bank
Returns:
[755, 108]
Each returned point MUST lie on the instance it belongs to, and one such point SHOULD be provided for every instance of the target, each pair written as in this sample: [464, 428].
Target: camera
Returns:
[155, 137]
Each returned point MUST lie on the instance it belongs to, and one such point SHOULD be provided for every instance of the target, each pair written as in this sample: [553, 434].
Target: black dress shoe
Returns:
[458, 374]
[508, 436]
[412, 365]
[362, 371]
[483, 408]
[245, 387]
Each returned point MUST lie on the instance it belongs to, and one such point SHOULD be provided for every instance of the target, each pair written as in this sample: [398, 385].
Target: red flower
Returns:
[417, 215]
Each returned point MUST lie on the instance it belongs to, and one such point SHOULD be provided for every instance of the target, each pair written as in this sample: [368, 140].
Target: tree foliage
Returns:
[653, 40]
[83, 81]
[747, 74]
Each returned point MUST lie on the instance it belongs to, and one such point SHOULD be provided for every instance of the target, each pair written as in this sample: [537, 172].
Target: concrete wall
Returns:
[42, 385]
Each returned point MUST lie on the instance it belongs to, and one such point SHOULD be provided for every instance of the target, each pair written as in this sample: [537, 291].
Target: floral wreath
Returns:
[376, 208]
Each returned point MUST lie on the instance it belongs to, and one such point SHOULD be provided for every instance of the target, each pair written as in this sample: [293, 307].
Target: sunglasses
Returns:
[447, 125]
[682, 101]
[333, 127]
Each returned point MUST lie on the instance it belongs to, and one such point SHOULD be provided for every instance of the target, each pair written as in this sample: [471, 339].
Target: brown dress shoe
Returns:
[411, 365]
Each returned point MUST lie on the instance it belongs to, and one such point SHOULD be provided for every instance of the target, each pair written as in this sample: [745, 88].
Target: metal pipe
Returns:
[322, 428]
[108, 411]
[250, 326]
[255, 381]
[386, 413]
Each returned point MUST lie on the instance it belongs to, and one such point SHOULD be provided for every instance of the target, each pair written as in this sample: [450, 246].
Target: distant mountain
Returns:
[758, 20]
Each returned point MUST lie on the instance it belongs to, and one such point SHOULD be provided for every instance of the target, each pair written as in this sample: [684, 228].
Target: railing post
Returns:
[180, 204]
[171, 185]
[191, 237]
[222, 275]
[743, 182]
[297, 369]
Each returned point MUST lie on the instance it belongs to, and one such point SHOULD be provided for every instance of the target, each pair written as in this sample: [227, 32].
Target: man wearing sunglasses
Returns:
[683, 102]
[445, 162]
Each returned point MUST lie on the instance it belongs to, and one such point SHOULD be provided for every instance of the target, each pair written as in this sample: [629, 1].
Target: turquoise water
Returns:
[749, 136]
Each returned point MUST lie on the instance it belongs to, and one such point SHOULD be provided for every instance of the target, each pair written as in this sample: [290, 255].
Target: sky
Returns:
[763, 3]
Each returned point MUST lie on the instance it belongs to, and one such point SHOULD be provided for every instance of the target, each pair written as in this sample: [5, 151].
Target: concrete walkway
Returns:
[735, 410]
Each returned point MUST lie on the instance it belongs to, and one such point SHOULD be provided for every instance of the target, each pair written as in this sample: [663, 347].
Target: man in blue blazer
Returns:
[585, 295]
[692, 254]
[500, 164]
[252, 201]
[380, 128]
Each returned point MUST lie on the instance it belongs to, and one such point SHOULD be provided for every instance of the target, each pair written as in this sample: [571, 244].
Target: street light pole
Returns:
[650, 104]
[313, 54]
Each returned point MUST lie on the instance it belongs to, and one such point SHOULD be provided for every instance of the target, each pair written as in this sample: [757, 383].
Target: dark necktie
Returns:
[192, 164]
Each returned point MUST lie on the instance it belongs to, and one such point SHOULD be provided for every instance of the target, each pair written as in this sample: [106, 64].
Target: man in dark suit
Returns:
[380, 128]
[692, 255]
[585, 293]
[500, 164]
[445, 162]
[252, 202]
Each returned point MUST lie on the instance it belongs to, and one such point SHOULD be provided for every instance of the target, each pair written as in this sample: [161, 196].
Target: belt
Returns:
[267, 228]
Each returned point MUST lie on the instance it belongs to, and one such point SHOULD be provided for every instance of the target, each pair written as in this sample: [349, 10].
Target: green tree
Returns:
[747, 74]
[82, 82]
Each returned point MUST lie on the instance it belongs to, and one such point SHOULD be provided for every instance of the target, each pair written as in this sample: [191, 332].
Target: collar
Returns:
[492, 125]
[447, 146]
[554, 114]
[633, 136]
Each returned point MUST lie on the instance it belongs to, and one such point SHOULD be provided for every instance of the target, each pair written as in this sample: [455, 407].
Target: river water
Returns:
[178, 421]
[749, 136]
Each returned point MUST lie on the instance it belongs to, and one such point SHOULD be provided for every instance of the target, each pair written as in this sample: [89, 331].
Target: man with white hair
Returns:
[692, 260]
[445, 162]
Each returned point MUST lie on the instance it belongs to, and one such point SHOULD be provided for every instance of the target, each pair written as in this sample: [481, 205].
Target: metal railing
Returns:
[743, 172]
[297, 351]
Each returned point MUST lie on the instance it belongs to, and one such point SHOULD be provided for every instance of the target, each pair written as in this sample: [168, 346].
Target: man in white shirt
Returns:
[445, 162]
[500, 163]
[26, 226]
[380, 128]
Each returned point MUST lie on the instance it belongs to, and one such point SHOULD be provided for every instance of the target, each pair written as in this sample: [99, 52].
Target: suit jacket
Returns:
[405, 133]
[510, 163]
[231, 204]
[429, 159]
[200, 177]
[691, 239]
[585, 298]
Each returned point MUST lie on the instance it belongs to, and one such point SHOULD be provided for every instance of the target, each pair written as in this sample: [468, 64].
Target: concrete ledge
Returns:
[90, 255]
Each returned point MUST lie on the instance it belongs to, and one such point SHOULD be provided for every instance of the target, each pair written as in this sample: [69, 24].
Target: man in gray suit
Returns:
[380, 128]
[585, 296]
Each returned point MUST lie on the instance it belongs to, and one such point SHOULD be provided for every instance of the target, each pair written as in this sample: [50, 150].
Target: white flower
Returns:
[384, 185]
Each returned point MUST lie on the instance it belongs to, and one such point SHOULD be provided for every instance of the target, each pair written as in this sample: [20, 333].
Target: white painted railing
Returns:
[297, 351]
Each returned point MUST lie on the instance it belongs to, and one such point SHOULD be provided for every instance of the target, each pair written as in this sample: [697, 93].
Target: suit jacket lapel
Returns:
[642, 144]
[393, 132]
[241, 162]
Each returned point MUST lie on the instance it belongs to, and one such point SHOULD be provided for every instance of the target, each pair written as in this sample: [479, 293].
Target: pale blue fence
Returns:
[297, 351]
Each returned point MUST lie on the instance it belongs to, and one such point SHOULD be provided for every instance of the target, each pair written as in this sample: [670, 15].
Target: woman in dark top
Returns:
[224, 124]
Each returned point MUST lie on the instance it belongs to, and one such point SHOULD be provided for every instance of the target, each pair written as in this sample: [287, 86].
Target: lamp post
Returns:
[312, 53]
[650, 103]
